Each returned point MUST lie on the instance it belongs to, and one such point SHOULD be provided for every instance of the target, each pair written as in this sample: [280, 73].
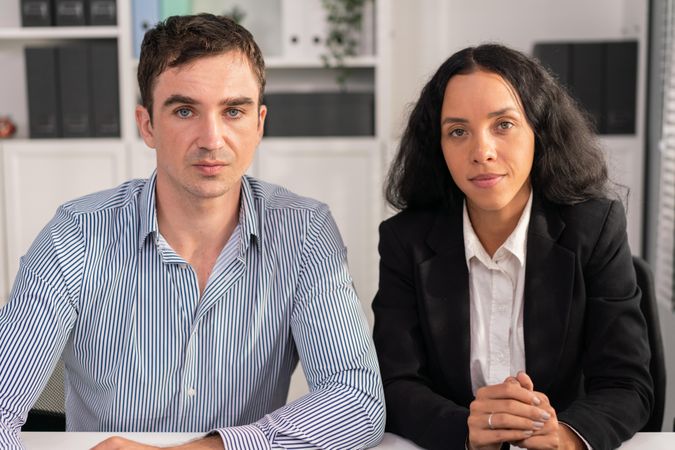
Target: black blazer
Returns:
[586, 344]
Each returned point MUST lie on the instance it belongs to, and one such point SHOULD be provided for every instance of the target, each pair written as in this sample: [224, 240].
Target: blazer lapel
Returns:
[445, 284]
[549, 285]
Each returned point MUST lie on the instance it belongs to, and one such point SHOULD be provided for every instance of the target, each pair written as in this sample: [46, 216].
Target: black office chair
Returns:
[657, 365]
[48, 413]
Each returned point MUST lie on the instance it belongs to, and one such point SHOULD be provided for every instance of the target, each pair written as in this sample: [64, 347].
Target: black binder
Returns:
[556, 57]
[587, 78]
[620, 87]
[75, 89]
[602, 76]
[102, 12]
[69, 13]
[43, 92]
[36, 13]
[105, 103]
[320, 114]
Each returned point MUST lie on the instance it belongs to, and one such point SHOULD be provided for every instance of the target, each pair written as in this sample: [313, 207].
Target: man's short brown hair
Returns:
[181, 39]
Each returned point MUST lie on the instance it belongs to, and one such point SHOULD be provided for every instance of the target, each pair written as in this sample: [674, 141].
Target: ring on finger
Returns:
[490, 422]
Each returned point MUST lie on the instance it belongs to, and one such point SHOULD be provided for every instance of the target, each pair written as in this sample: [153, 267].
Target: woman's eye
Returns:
[183, 113]
[505, 125]
[457, 132]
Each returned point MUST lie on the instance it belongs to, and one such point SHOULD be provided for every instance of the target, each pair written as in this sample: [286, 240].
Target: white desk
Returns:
[76, 441]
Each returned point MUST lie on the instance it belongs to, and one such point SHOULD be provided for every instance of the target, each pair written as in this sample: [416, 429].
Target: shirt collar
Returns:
[248, 215]
[516, 243]
[148, 213]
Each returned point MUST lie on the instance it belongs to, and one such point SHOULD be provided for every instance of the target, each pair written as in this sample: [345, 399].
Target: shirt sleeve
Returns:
[345, 406]
[587, 446]
[34, 328]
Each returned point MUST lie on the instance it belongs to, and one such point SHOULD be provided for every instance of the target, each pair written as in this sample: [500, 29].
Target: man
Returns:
[182, 302]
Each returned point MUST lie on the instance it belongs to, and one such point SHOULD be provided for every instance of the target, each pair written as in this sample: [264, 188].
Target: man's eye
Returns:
[183, 113]
[233, 113]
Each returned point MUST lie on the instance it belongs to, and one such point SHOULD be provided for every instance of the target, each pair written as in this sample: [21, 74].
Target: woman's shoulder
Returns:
[594, 212]
[588, 223]
[417, 220]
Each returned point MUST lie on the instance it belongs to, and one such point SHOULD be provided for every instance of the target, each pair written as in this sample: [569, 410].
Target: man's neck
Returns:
[198, 229]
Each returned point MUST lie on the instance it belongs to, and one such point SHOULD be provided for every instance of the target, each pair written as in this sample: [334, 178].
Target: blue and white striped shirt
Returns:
[144, 352]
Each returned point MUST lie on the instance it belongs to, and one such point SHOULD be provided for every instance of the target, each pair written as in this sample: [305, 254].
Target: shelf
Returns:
[277, 62]
[55, 33]
[280, 62]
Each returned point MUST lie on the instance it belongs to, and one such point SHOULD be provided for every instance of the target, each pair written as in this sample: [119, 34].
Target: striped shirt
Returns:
[144, 352]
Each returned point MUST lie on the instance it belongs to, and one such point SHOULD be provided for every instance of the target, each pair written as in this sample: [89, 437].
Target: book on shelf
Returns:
[102, 12]
[36, 13]
[105, 101]
[68, 13]
[73, 90]
[44, 115]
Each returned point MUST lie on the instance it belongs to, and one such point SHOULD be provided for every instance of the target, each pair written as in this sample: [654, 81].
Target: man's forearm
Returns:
[119, 443]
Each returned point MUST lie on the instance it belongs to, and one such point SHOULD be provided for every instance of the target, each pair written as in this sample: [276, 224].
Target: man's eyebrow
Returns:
[237, 101]
[176, 98]
[185, 100]
[499, 112]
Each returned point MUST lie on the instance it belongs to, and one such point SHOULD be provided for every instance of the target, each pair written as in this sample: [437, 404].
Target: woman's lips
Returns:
[486, 180]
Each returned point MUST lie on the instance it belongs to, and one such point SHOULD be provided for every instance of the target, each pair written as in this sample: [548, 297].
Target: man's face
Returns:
[206, 124]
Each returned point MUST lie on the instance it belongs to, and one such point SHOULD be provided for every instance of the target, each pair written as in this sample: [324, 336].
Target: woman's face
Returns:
[487, 143]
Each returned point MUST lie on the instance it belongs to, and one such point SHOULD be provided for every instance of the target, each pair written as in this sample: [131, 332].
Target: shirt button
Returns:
[191, 392]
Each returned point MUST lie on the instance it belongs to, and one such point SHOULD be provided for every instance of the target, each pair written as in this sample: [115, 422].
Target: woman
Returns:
[507, 308]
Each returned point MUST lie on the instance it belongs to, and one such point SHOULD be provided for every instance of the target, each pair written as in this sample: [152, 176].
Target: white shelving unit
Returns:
[346, 173]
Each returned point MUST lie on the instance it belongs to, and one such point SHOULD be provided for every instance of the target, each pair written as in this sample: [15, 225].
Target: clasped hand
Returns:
[514, 412]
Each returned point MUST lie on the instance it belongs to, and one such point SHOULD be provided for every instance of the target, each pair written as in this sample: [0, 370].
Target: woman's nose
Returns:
[484, 148]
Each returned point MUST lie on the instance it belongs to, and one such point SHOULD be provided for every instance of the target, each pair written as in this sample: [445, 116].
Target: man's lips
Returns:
[209, 167]
[486, 180]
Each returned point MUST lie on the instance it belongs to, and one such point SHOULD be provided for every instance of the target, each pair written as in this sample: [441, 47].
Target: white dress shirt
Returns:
[496, 294]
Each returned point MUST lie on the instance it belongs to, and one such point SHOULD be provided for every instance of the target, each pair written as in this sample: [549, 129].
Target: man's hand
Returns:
[120, 443]
[506, 412]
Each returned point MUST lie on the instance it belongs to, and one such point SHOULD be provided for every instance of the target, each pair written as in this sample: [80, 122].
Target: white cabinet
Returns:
[344, 173]
[40, 176]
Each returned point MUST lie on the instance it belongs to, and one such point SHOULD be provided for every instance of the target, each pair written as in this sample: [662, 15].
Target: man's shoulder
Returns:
[116, 197]
[275, 197]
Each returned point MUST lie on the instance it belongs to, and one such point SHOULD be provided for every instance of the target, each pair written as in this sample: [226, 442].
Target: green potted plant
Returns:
[345, 21]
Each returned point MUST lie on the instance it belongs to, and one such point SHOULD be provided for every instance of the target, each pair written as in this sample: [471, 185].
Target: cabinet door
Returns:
[344, 174]
[143, 160]
[40, 176]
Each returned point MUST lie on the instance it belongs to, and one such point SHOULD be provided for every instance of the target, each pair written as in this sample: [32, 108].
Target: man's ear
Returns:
[144, 123]
[262, 114]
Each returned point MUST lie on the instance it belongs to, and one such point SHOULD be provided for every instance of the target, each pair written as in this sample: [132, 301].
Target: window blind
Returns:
[665, 247]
